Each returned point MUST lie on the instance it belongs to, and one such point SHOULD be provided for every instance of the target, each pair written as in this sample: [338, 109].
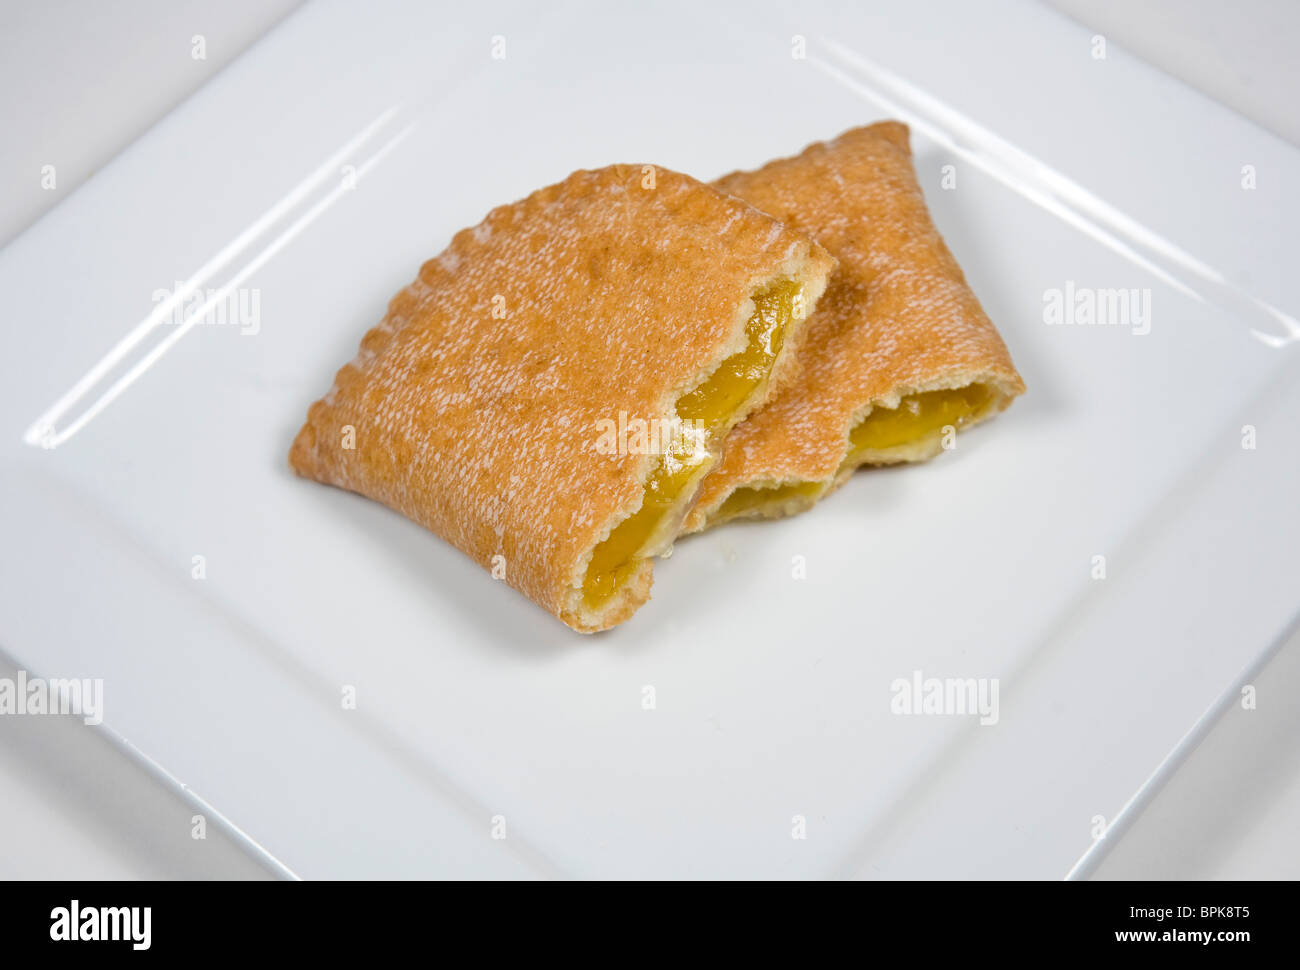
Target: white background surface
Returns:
[86, 809]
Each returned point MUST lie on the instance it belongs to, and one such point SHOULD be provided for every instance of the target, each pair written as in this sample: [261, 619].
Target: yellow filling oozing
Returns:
[747, 497]
[917, 416]
[711, 405]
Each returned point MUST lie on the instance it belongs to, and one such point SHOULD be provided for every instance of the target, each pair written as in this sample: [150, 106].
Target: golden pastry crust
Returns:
[476, 401]
[898, 318]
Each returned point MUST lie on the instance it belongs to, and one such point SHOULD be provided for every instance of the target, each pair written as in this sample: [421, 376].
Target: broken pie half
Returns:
[550, 392]
[898, 352]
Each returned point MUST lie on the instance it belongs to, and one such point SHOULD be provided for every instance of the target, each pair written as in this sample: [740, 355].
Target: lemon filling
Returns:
[709, 406]
[748, 497]
[918, 416]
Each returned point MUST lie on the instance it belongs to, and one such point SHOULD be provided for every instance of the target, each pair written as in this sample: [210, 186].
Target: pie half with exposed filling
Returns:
[482, 405]
[898, 354]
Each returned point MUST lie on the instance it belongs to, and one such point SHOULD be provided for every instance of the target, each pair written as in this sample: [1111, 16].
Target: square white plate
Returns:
[348, 146]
